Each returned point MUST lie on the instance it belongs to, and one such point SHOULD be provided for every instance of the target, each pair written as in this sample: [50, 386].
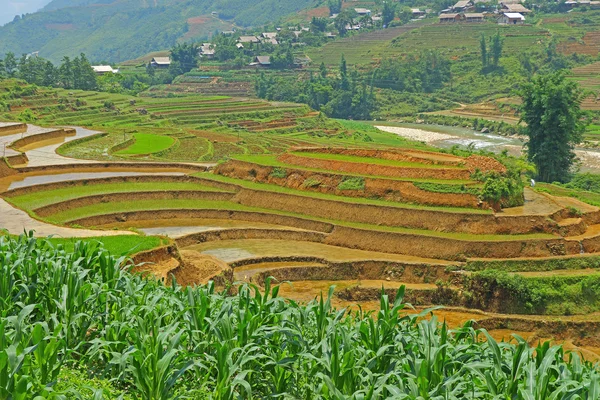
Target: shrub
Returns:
[279, 173]
[352, 183]
[311, 183]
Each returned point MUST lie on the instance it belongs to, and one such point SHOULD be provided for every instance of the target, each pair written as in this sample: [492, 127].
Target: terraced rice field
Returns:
[315, 212]
[192, 128]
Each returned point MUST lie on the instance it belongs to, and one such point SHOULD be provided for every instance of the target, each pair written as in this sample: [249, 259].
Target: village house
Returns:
[449, 18]
[462, 5]
[207, 50]
[362, 11]
[416, 12]
[515, 8]
[262, 61]
[511, 19]
[161, 62]
[330, 35]
[104, 69]
[248, 39]
[269, 37]
[474, 17]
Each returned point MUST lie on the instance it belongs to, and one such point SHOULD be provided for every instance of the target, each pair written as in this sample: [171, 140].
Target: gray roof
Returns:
[263, 60]
[162, 60]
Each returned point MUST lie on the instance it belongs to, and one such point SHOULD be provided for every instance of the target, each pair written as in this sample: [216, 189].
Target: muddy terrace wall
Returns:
[416, 297]
[328, 183]
[18, 159]
[132, 180]
[250, 233]
[58, 133]
[351, 270]
[447, 248]
[399, 243]
[396, 216]
[6, 169]
[397, 155]
[376, 169]
[151, 215]
[131, 196]
[13, 128]
[116, 166]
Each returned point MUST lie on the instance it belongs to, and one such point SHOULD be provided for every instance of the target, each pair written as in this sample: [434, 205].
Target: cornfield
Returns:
[83, 310]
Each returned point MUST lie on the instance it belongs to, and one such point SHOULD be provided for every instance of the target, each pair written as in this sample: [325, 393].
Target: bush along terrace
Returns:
[87, 328]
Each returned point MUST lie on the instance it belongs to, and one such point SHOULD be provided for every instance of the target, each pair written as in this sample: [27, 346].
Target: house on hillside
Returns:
[161, 62]
[462, 5]
[262, 61]
[449, 18]
[104, 69]
[207, 51]
[511, 19]
[515, 8]
[330, 35]
[474, 17]
[362, 11]
[248, 39]
[416, 13]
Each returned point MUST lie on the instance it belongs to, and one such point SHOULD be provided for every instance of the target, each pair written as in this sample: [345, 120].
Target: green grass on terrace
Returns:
[148, 143]
[372, 160]
[555, 190]
[143, 205]
[325, 196]
[116, 245]
[43, 198]
[272, 161]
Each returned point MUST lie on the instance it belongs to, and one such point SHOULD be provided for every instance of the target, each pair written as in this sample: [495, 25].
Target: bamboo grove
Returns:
[82, 310]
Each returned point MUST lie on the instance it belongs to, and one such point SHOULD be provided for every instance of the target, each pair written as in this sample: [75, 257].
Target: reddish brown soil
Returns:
[376, 169]
[387, 189]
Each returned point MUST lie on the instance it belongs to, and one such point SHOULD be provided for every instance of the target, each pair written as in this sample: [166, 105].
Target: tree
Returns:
[10, 64]
[344, 84]
[186, 56]
[323, 71]
[388, 13]
[318, 24]
[484, 56]
[496, 48]
[335, 6]
[551, 110]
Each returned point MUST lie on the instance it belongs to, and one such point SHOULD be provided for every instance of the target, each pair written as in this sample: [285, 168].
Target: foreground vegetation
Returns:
[101, 332]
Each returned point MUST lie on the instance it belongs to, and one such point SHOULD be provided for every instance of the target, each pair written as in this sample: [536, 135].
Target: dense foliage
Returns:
[339, 96]
[71, 74]
[551, 110]
[425, 72]
[64, 311]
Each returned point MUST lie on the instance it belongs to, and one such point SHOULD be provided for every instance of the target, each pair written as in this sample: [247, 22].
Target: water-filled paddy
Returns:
[233, 250]
[180, 227]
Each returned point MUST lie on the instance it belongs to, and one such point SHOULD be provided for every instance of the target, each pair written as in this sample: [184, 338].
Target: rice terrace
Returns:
[300, 200]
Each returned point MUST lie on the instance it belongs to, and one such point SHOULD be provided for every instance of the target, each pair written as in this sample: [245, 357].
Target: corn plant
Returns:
[83, 309]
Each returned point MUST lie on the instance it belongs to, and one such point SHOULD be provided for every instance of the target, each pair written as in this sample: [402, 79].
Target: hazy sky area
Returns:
[10, 8]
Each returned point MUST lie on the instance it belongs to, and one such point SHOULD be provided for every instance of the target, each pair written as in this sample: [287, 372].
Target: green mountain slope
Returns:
[126, 29]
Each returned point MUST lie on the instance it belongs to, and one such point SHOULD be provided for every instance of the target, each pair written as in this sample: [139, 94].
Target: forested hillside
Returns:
[126, 29]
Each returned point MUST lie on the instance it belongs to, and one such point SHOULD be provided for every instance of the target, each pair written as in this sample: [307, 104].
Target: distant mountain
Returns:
[11, 8]
[117, 30]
